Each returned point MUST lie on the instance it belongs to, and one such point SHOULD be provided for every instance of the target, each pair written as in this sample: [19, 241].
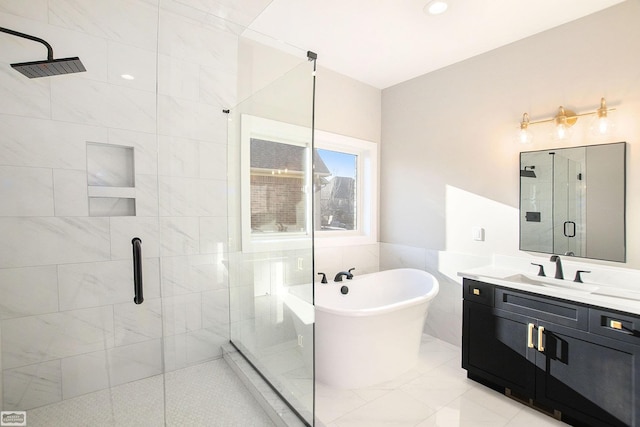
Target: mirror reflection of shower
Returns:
[575, 203]
[528, 172]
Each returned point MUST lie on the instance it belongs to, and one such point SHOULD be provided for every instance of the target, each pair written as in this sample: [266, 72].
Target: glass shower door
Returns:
[569, 204]
[135, 147]
[78, 174]
[88, 162]
[270, 255]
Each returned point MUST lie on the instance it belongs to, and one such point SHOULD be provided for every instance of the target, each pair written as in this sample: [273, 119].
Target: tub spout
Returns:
[346, 274]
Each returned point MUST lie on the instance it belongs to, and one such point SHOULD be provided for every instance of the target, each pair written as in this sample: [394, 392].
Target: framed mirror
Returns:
[572, 201]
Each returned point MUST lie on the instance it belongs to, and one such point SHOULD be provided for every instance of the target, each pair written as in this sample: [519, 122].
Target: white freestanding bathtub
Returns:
[372, 333]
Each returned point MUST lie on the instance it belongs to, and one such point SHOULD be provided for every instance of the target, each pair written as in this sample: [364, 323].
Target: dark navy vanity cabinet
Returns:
[577, 362]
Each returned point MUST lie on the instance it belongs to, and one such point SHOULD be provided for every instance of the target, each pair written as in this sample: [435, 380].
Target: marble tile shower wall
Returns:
[333, 259]
[537, 196]
[68, 325]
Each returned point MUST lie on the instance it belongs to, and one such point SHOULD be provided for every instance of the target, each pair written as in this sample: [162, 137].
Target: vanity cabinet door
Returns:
[588, 377]
[495, 348]
[582, 361]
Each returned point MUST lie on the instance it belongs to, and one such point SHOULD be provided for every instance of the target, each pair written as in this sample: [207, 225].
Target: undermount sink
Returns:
[618, 293]
[551, 282]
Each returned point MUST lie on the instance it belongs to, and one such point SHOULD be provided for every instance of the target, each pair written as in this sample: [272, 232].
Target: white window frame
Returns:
[366, 190]
[366, 184]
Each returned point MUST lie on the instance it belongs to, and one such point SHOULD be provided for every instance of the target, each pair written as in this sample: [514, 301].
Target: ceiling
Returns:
[386, 42]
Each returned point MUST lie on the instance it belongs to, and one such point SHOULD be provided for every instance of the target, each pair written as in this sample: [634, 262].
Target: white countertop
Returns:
[625, 300]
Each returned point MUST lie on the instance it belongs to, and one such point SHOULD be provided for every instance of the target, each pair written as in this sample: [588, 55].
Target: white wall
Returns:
[347, 107]
[449, 156]
[343, 106]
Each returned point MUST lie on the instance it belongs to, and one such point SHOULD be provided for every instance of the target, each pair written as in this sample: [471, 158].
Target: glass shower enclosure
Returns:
[271, 239]
[133, 154]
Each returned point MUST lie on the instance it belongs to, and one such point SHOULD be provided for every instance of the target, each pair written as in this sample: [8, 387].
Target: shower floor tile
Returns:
[435, 393]
[209, 394]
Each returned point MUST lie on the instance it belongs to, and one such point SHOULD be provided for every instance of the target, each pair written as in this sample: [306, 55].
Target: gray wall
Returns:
[449, 157]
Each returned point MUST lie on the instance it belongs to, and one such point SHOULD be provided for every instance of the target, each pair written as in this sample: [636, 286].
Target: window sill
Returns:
[332, 241]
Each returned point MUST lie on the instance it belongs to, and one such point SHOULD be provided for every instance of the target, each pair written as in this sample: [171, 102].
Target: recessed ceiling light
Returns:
[436, 7]
[127, 76]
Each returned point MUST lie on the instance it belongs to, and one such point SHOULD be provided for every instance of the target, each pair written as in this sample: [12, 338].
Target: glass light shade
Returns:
[524, 136]
[563, 122]
[562, 132]
[600, 126]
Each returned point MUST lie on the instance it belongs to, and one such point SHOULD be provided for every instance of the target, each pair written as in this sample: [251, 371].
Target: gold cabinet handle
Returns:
[476, 291]
[530, 327]
[540, 343]
[615, 324]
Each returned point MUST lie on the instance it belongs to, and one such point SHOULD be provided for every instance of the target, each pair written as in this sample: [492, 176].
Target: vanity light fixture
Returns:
[565, 119]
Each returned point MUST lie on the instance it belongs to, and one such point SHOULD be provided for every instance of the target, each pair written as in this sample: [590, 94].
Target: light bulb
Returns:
[524, 134]
[561, 131]
[563, 121]
[602, 124]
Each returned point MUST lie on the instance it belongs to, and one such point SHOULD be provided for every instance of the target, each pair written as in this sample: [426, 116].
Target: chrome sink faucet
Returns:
[559, 273]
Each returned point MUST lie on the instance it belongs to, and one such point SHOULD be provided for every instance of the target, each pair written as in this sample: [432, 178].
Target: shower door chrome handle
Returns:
[137, 270]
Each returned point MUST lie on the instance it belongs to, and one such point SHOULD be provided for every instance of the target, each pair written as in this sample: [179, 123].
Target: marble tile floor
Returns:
[208, 394]
[434, 393]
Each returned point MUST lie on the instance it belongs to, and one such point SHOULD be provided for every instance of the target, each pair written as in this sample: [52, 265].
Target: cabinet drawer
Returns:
[623, 327]
[479, 292]
[543, 308]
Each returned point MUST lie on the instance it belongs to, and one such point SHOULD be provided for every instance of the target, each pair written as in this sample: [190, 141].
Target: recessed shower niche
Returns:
[110, 180]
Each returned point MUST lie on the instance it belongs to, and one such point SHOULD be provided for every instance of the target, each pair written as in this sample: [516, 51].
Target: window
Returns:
[278, 201]
[346, 203]
[336, 198]
[276, 187]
